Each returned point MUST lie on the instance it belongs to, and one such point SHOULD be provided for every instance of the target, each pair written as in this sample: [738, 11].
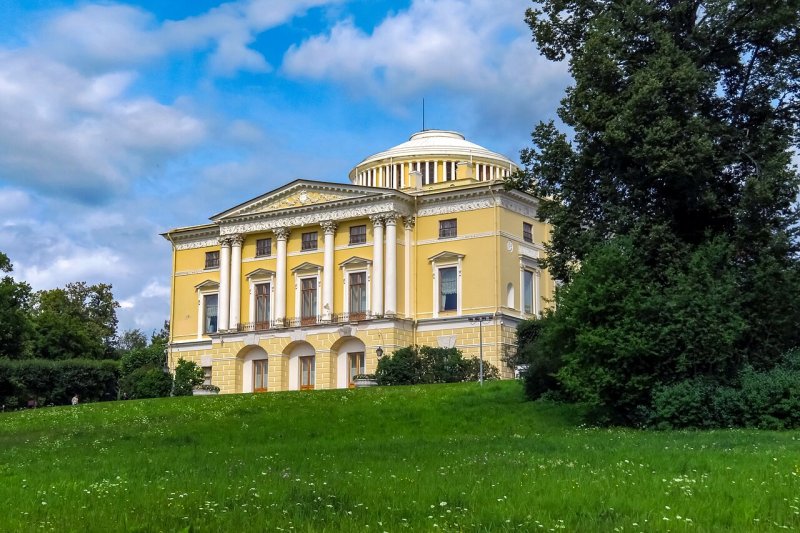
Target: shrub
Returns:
[146, 382]
[152, 355]
[55, 382]
[410, 365]
[187, 376]
[403, 367]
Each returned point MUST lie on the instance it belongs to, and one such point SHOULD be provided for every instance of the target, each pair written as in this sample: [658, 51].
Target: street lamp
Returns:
[480, 319]
[379, 352]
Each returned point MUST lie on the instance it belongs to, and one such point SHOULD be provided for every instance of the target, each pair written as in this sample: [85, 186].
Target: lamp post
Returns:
[480, 320]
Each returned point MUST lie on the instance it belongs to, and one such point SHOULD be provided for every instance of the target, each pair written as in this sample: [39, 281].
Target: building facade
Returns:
[305, 286]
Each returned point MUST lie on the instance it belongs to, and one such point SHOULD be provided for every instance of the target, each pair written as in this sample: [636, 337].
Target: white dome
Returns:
[435, 142]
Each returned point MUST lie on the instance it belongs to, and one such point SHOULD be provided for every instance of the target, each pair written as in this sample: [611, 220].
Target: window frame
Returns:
[211, 260]
[527, 232]
[445, 231]
[265, 374]
[530, 266]
[308, 319]
[305, 243]
[441, 261]
[268, 251]
[357, 314]
[205, 298]
[361, 238]
[441, 295]
[361, 363]
[311, 373]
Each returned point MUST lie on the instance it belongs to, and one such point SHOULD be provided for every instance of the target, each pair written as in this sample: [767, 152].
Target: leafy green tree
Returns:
[671, 194]
[187, 376]
[683, 114]
[15, 303]
[79, 320]
[132, 339]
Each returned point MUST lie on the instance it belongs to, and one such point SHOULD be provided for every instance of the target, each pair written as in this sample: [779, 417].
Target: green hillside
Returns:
[431, 458]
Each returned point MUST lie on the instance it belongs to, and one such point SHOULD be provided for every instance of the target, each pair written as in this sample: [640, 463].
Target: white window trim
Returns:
[257, 278]
[298, 278]
[445, 260]
[346, 271]
[527, 264]
[207, 288]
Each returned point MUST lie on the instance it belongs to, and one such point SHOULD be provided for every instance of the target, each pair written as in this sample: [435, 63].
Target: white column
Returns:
[377, 264]
[391, 264]
[224, 303]
[435, 171]
[329, 228]
[281, 234]
[408, 223]
[236, 279]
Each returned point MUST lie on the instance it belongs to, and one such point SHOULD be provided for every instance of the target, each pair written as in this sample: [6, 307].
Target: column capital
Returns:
[225, 241]
[237, 240]
[377, 220]
[281, 233]
[409, 222]
[390, 219]
[328, 226]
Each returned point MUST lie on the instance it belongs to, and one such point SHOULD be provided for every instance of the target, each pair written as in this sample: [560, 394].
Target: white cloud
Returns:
[155, 289]
[476, 50]
[101, 36]
[66, 133]
[78, 263]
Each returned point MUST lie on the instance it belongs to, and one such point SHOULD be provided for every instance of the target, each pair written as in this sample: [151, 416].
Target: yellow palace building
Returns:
[308, 285]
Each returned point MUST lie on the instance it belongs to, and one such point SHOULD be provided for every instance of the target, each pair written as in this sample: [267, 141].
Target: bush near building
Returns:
[416, 365]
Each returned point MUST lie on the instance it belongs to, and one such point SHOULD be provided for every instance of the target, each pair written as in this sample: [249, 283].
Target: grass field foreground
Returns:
[428, 458]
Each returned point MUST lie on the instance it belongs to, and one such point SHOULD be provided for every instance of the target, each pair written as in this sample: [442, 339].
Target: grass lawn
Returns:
[431, 458]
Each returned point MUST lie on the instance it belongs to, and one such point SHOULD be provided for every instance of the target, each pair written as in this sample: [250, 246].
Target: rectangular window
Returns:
[206, 375]
[263, 247]
[309, 240]
[358, 234]
[527, 291]
[355, 366]
[527, 232]
[448, 289]
[309, 301]
[448, 228]
[307, 372]
[260, 375]
[212, 259]
[210, 312]
[449, 170]
[398, 176]
[358, 295]
[262, 306]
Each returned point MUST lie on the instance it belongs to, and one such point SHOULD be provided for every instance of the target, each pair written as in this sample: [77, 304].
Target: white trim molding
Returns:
[446, 260]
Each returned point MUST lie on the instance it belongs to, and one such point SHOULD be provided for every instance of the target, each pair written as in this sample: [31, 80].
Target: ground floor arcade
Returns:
[329, 357]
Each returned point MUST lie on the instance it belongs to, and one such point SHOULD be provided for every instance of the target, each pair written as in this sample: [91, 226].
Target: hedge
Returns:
[48, 382]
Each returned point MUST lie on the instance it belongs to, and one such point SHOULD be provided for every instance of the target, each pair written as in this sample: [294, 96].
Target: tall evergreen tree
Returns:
[681, 123]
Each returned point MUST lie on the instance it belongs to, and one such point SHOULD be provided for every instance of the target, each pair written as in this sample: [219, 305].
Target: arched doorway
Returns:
[350, 354]
[302, 366]
[255, 369]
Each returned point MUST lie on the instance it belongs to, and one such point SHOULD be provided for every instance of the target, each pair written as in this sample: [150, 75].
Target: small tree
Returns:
[187, 376]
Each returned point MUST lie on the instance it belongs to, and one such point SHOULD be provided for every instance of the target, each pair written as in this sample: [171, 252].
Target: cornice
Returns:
[315, 214]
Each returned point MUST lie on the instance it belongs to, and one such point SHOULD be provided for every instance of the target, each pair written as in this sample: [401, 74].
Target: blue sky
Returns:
[120, 120]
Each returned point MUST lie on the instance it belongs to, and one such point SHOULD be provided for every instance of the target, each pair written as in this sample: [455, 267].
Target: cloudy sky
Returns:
[121, 120]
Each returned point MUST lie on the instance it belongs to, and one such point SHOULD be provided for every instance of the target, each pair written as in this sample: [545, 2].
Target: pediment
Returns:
[207, 285]
[306, 267]
[260, 273]
[355, 262]
[298, 194]
[442, 257]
